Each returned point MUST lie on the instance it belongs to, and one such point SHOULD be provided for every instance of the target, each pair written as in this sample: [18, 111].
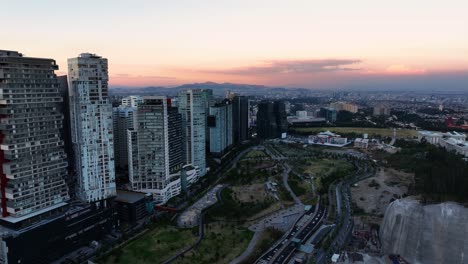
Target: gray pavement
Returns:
[281, 220]
[191, 216]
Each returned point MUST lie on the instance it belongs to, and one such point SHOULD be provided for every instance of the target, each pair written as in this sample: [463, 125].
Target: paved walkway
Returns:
[191, 216]
[286, 172]
[281, 220]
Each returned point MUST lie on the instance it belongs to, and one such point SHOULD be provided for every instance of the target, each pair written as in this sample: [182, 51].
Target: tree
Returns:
[344, 117]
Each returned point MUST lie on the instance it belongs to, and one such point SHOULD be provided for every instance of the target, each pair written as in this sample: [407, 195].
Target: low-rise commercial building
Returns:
[133, 206]
[362, 143]
[329, 139]
[451, 141]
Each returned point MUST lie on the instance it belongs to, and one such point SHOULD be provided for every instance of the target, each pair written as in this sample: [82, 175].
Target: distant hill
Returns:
[219, 89]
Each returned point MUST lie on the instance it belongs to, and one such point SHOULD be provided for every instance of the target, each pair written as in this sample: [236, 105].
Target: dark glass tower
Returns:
[240, 116]
[271, 119]
[176, 158]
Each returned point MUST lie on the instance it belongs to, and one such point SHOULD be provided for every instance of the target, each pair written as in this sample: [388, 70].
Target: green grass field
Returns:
[155, 246]
[384, 132]
[222, 243]
[320, 169]
[255, 154]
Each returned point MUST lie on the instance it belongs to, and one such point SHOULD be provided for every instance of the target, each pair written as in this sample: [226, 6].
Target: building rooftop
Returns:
[10, 53]
[12, 219]
[89, 55]
[429, 133]
[129, 196]
[328, 133]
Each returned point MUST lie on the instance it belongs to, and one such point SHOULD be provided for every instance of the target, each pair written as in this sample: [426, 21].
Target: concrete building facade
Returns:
[132, 101]
[151, 153]
[92, 128]
[33, 162]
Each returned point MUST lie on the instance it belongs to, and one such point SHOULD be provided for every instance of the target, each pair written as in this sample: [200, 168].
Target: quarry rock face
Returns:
[426, 234]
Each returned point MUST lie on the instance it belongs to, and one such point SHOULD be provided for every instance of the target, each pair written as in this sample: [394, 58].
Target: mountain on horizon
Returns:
[219, 89]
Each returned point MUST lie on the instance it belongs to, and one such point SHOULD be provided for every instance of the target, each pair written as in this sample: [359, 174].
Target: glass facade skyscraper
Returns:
[192, 107]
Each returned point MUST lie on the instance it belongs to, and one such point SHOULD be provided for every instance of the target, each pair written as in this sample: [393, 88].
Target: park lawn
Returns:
[295, 150]
[256, 154]
[222, 243]
[155, 246]
[266, 240]
[250, 172]
[302, 188]
[321, 167]
[232, 209]
[384, 132]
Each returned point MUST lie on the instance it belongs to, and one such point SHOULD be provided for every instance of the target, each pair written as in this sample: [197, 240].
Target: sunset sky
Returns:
[310, 43]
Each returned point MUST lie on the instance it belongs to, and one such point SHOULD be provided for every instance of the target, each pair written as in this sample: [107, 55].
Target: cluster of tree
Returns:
[439, 175]
[232, 209]
[294, 183]
[435, 111]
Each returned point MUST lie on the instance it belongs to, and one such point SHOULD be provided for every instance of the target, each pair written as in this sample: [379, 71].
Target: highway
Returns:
[301, 231]
[311, 221]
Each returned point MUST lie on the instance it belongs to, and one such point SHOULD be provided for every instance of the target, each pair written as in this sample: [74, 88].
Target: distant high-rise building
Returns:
[230, 95]
[123, 119]
[342, 106]
[192, 107]
[92, 131]
[155, 166]
[209, 101]
[271, 119]
[131, 101]
[220, 124]
[328, 113]
[176, 153]
[381, 109]
[287, 107]
[240, 117]
[281, 117]
[33, 162]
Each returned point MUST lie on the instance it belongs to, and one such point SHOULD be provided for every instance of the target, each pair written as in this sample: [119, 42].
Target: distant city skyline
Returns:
[309, 44]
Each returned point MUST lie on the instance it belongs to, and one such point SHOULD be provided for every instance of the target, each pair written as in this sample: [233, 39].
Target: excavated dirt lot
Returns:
[374, 194]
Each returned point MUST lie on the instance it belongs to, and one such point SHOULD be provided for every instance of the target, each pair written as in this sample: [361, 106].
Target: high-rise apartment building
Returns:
[131, 100]
[123, 119]
[176, 153]
[155, 155]
[240, 117]
[220, 125]
[192, 107]
[271, 119]
[33, 163]
[209, 101]
[92, 131]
